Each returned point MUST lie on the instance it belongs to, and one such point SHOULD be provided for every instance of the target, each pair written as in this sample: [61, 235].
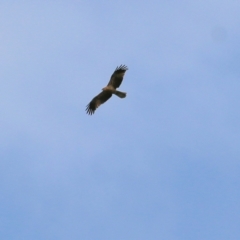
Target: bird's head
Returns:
[108, 88]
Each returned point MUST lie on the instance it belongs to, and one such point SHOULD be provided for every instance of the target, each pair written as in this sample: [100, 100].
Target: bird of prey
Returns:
[115, 82]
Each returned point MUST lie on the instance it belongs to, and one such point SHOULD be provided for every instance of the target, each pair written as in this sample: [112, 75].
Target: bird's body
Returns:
[115, 82]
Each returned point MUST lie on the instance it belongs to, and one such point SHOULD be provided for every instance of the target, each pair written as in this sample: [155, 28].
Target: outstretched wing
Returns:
[97, 101]
[117, 76]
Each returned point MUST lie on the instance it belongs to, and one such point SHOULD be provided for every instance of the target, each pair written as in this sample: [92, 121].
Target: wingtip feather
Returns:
[121, 67]
[89, 110]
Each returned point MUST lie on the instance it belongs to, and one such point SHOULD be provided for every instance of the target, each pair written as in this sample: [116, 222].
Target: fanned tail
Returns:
[120, 94]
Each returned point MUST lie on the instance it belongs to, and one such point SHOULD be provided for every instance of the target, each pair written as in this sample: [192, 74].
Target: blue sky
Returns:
[162, 163]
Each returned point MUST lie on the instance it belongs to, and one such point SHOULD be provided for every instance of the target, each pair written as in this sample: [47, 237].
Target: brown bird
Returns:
[115, 82]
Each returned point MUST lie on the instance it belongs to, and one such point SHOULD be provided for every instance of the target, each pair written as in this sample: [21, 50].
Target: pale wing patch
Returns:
[98, 103]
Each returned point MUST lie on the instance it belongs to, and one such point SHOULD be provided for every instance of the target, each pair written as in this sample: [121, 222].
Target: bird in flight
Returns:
[114, 83]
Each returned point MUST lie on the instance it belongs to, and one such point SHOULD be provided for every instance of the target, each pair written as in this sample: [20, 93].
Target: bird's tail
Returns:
[120, 94]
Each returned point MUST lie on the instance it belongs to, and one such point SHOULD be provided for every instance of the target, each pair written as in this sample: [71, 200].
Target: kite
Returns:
[114, 83]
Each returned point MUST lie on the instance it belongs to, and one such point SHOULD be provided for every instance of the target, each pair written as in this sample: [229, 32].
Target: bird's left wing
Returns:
[117, 76]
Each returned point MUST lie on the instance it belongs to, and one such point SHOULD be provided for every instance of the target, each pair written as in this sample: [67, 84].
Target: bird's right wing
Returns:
[97, 101]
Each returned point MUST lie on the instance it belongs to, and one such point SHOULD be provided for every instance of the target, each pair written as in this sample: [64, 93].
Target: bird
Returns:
[114, 83]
